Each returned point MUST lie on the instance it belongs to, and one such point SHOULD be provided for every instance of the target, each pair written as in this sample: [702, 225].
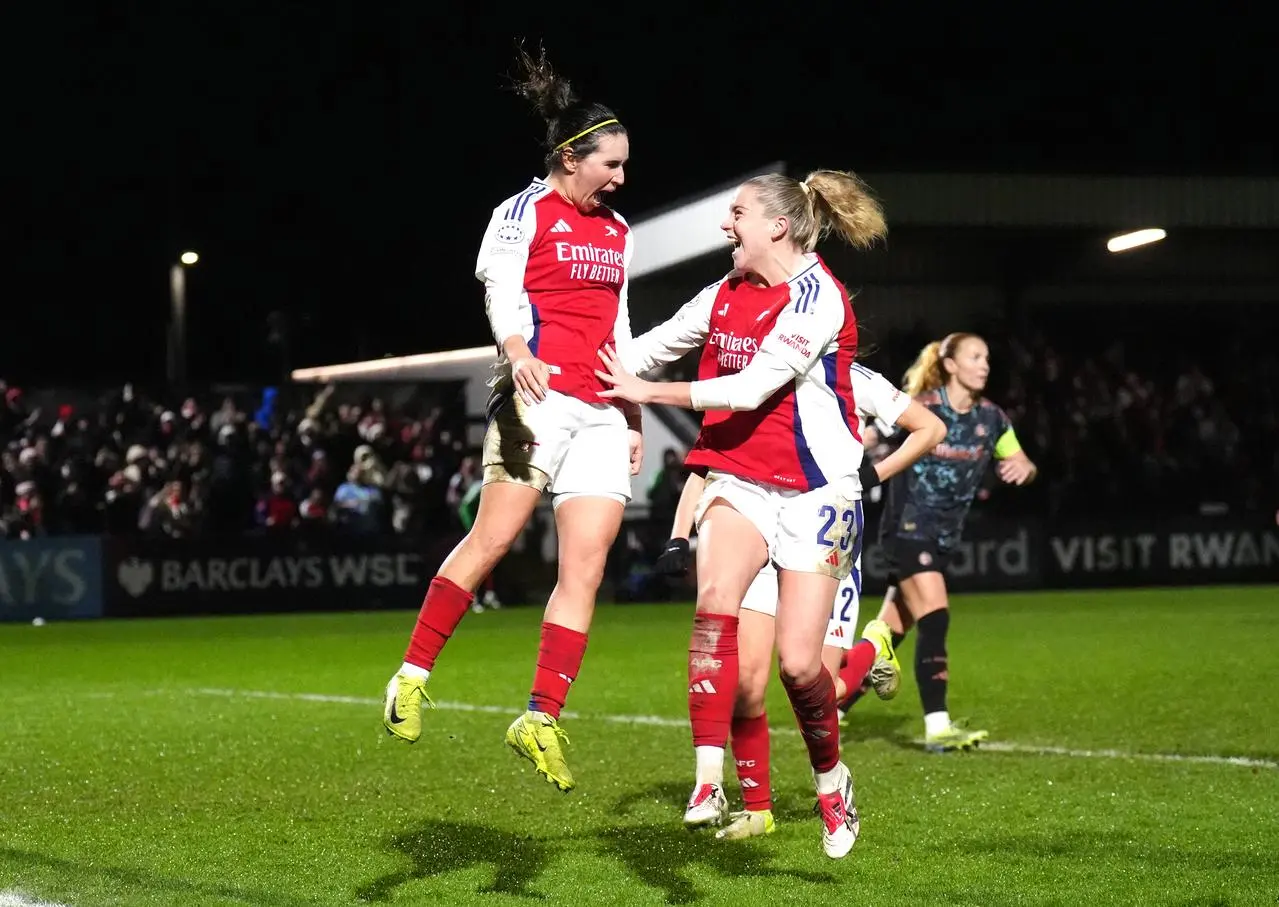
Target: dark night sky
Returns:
[337, 162]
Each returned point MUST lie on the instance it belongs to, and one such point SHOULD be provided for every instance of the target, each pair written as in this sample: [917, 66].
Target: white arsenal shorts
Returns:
[562, 444]
[817, 531]
[841, 632]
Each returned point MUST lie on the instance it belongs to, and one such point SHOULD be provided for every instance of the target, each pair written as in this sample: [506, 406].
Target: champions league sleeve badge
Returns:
[511, 231]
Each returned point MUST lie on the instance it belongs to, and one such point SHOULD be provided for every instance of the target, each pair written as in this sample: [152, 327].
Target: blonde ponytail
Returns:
[844, 204]
[926, 373]
[929, 371]
[825, 201]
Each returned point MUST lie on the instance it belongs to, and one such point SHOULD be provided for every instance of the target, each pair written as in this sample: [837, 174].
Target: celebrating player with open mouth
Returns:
[554, 265]
[870, 658]
[779, 441]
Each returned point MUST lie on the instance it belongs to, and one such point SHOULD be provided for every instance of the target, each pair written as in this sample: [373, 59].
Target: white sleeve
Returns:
[622, 340]
[806, 328]
[746, 390]
[503, 255]
[885, 429]
[876, 397]
[685, 330]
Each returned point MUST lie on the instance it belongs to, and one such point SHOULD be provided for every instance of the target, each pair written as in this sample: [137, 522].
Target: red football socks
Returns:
[857, 665]
[443, 609]
[712, 678]
[751, 753]
[559, 658]
[818, 719]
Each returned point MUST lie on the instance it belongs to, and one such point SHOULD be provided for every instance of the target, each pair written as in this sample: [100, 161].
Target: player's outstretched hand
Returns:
[625, 386]
[532, 379]
[674, 559]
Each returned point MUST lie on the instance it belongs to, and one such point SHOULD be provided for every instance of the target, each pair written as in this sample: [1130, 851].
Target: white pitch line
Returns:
[18, 899]
[997, 746]
[659, 721]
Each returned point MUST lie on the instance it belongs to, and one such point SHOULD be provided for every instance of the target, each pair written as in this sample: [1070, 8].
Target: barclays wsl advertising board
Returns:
[84, 577]
[51, 578]
[153, 577]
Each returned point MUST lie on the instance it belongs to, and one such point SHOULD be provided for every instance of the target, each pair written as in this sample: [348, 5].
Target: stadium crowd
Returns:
[269, 461]
[1120, 427]
[1140, 420]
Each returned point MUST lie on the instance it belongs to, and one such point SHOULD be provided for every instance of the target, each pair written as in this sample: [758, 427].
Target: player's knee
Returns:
[582, 573]
[583, 558]
[752, 683]
[934, 624]
[504, 509]
[718, 595]
[748, 705]
[934, 609]
[485, 550]
[922, 594]
[799, 667]
[492, 538]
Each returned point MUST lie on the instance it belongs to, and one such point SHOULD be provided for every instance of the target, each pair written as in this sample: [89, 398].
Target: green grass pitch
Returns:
[1134, 759]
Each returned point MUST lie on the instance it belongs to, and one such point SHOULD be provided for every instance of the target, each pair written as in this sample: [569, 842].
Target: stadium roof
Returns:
[688, 229]
[1106, 202]
[1039, 229]
[1043, 229]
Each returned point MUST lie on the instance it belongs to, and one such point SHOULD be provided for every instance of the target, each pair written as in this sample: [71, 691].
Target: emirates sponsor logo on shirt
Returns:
[587, 252]
[588, 261]
[731, 351]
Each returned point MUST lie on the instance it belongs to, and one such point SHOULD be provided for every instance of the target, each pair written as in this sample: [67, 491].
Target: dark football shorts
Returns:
[908, 557]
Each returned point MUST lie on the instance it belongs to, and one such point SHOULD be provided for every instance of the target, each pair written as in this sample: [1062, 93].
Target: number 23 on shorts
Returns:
[838, 533]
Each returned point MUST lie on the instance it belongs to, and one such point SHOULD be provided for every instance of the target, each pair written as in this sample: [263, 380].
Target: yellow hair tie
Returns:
[587, 131]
